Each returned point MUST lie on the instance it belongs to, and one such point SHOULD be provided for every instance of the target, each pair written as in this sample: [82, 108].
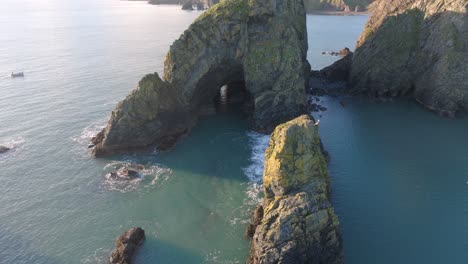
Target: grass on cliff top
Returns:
[226, 9]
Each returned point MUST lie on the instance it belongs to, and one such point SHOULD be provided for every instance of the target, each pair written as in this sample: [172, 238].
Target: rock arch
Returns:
[262, 42]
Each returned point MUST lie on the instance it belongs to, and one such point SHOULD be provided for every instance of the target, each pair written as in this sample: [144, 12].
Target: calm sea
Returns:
[400, 174]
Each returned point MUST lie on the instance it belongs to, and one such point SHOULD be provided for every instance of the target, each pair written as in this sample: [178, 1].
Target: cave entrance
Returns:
[233, 96]
[223, 89]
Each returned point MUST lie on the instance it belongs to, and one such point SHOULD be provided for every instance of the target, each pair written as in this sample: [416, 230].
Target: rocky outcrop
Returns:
[260, 42]
[333, 79]
[417, 48]
[298, 223]
[336, 5]
[4, 149]
[187, 5]
[126, 245]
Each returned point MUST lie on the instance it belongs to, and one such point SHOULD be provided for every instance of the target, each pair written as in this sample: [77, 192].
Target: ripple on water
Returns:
[149, 176]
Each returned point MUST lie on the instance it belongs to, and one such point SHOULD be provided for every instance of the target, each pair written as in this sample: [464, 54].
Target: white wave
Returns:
[259, 143]
[89, 132]
[148, 176]
[13, 143]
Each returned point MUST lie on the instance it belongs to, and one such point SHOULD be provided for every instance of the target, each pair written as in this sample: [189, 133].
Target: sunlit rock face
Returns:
[417, 48]
[296, 222]
[260, 42]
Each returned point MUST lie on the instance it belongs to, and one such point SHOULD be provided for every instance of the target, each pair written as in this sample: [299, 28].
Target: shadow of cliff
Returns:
[217, 147]
[19, 250]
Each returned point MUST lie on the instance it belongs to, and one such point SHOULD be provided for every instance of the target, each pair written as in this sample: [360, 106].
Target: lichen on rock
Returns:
[417, 48]
[260, 42]
[298, 223]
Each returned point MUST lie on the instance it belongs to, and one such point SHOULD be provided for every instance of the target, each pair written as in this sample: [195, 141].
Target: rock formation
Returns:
[336, 5]
[298, 224]
[187, 5]
[417, 48]
[260, 42]
[4, 149]
[126, 245]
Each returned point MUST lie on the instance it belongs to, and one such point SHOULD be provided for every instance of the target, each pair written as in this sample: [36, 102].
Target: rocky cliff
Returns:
[417, 48]
[260, 42]
[296, 223]
[336, 5]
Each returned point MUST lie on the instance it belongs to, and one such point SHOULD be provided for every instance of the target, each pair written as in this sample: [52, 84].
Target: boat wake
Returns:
[147, 177]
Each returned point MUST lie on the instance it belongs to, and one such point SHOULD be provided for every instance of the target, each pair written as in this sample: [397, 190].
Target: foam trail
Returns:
[254, 171]
[151, 175]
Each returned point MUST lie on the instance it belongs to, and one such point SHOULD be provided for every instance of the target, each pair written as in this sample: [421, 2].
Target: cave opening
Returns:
[223, 90]
[233, 96]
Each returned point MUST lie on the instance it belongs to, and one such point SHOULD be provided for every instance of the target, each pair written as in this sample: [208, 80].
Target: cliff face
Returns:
[296, 223]
[335, 5]
[417, 48]
[262, 42]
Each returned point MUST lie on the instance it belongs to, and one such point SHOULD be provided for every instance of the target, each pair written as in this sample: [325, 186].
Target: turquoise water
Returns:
[399, 172]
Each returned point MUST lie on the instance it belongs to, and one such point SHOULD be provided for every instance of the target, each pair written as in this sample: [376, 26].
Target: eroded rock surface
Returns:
[417, 48]
[262, 42]
[126, 245]
[336, 5]
[298, 223]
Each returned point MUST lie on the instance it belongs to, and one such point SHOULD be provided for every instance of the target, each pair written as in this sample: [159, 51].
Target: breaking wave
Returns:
[149, 176]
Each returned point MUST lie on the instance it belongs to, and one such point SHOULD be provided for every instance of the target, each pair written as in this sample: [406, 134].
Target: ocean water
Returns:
[399, 173]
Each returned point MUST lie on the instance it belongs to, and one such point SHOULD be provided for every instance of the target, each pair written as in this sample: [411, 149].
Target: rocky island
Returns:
[296, 222]
[261, 43]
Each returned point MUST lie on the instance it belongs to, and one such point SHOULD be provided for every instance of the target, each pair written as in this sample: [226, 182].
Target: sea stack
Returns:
[417, 48]
[126, 246]
[297, 222]
[262, 43]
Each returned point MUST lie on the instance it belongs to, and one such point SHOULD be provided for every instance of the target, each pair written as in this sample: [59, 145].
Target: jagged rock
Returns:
[256, 220]
[357, 8]
[4, 149]
[324, 5]
[200, 6]
[333, 79]
[299, 224]
[417, 48]
[187, 5]
[344, 52]
[347, 9]
[126, 245]
[262, 42]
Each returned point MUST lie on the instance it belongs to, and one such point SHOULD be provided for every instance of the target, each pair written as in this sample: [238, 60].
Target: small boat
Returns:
[15, 75]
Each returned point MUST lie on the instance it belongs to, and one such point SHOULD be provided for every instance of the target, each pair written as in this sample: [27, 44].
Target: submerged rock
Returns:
[417, 48]
[126, 245]
[298, 223]
[4, 149]
[260, 42]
